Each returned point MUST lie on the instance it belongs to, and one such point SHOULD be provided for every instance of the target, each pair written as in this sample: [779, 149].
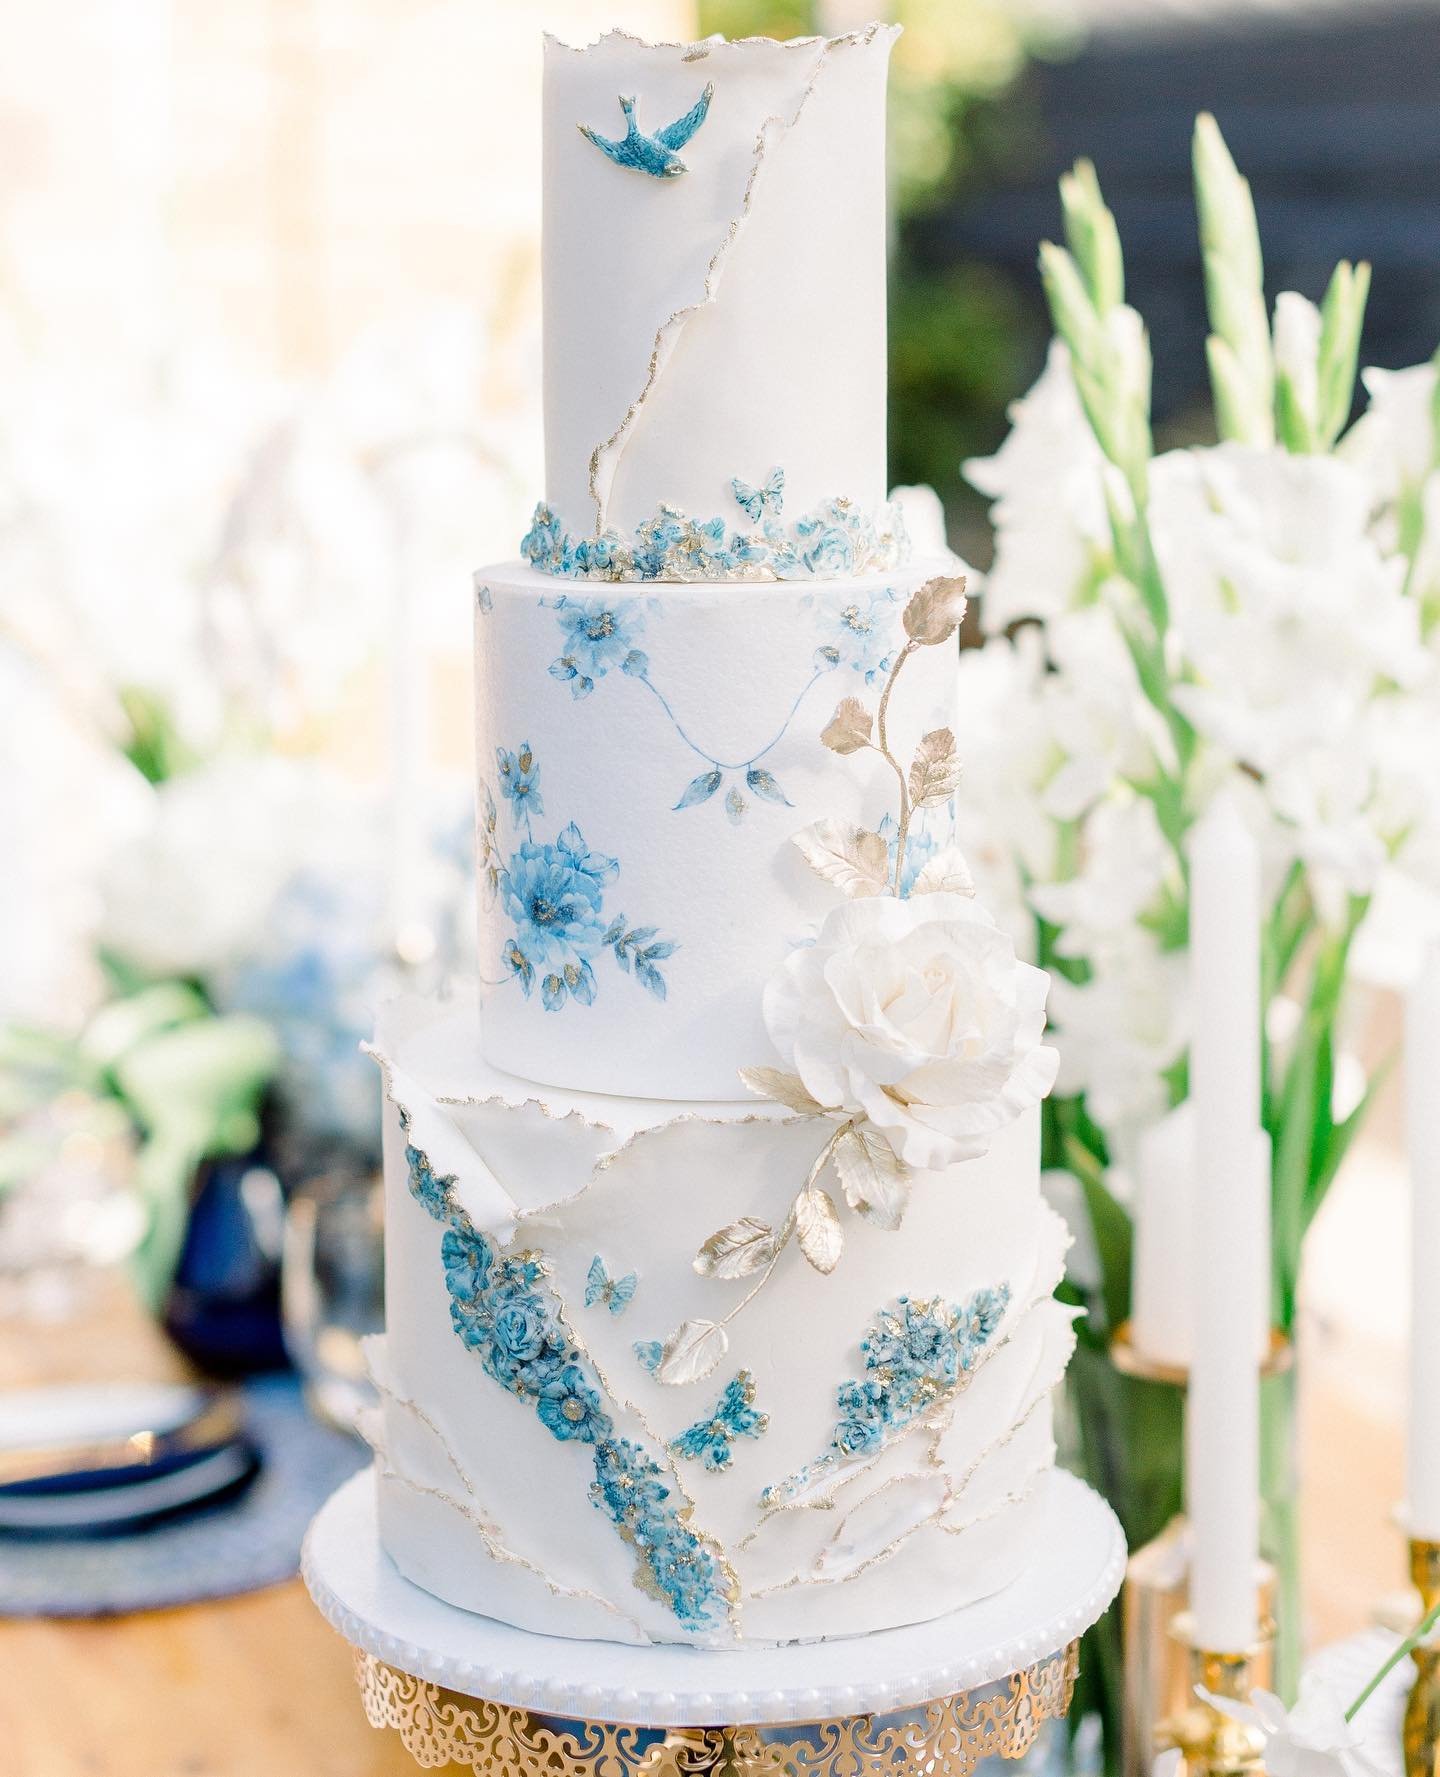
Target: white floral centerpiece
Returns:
[1255, 617]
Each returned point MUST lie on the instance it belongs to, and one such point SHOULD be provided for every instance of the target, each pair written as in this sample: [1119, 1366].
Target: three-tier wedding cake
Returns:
[719, 1282]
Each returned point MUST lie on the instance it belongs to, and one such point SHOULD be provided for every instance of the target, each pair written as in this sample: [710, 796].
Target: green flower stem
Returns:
[1416, 1638]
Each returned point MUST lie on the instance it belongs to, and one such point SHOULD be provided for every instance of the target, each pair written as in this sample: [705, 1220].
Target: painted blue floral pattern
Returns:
[837, 538]
[553, 893]
[862, 634]
[520, 781]
[602, 633]
[916, 1353]
[709, 1440]
[929, 834]
[503, 1309]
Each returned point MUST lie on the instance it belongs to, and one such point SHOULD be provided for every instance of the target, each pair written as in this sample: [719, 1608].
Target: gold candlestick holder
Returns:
[1212, 1742]
[1157, 1664]
[1422, 1710]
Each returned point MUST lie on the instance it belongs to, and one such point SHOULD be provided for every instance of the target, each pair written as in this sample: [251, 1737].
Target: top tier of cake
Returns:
[714, 310]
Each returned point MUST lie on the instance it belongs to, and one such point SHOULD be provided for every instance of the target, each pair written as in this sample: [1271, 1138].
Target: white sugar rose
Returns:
[917, 1015]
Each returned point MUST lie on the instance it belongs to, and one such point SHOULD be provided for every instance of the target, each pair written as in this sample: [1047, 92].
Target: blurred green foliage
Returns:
[965, 338]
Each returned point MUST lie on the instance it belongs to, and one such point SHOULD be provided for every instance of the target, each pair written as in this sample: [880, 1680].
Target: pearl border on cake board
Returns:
[1074, 1574]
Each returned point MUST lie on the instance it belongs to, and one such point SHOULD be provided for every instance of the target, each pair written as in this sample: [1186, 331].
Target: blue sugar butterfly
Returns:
[760, 502]
[734, 1416]
[614, 1292]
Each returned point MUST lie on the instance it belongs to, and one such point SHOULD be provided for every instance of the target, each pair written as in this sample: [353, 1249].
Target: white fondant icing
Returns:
[729, 320]
[644, 1183]
[721, 680]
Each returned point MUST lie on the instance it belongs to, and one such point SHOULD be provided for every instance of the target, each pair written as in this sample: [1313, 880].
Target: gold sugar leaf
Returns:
[876, 1181]
[781, 1088]
[848, 730]
[935, 772]
[851, 858]
[935, 610]
[739, 1250]
[817, 1228]
[946, 873]
[692, 1351]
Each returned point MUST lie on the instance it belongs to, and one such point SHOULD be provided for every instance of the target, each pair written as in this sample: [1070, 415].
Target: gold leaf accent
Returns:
[946, 873]
[693, 1350]
[739, 1250]
[848, 730]
[935, 773]
[781, 1088]
[817, 1227]
[935, 610]
[876, 1181]
[855, 860]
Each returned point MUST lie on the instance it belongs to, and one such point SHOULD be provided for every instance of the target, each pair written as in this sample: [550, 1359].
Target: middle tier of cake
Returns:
[603, 1418]
[647, 756]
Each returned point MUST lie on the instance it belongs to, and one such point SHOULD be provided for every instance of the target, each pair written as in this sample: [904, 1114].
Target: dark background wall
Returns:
[1332, 112]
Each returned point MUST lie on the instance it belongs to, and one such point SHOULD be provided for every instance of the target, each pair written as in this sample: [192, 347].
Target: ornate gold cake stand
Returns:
[937, 1697]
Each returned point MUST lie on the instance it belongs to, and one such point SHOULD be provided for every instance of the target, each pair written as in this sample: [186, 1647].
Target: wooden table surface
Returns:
[260, 1686]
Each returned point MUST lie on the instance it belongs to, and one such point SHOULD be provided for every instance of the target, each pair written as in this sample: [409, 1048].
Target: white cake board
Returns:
[1075, 1571]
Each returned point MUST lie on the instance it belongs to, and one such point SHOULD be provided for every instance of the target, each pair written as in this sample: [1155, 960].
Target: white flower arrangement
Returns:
[1257, 618]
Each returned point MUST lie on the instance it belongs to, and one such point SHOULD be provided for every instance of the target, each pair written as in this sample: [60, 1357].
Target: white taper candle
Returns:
[1223, 1409]
[1422, 1121]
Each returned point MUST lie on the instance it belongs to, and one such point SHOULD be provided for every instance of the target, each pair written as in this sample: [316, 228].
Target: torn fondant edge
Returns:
[699, 47]
[469, 1507]
[604, 459]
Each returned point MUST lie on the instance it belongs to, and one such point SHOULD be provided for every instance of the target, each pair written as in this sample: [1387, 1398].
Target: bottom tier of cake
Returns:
[585, 1432]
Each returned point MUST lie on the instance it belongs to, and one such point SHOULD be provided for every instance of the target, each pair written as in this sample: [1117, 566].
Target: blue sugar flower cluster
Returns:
[837, 538]
[916, 1353]
[504, 1311]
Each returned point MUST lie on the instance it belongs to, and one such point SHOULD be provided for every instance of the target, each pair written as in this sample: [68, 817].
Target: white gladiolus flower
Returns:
[917, 1015]
[1275, 584]
[1393, 444]
[1311, 1740]
[1047, 482]
[1297, 350]
[1119, 1032]
[1124, 867]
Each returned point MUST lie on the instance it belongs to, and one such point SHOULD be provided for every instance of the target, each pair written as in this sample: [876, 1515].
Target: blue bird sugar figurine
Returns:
[657, 153]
